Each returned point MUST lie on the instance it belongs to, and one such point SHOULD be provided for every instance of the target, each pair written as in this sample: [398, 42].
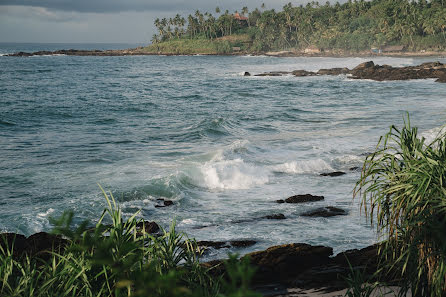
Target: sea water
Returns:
[194, 130]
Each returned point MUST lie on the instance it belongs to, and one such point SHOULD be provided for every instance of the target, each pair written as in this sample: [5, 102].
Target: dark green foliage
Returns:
[403, 187]
[353, 26]
[118, 259]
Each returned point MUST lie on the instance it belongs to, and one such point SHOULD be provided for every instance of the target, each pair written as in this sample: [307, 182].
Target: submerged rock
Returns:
[278, 216]
[226, 244]
[164, 202]
[301, 199]
[325, 212]
[274, 73]
[246, 73]
[333, 174]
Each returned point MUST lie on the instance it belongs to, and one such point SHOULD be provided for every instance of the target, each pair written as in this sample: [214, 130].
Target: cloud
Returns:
[112, 6]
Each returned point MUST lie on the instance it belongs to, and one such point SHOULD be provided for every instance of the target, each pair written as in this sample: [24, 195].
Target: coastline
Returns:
[142, 51]
[281, 270]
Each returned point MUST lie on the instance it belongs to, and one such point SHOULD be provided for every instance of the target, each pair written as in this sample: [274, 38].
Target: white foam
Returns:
[431, 134]
[45, 214]
[235, 174]
[303, 167]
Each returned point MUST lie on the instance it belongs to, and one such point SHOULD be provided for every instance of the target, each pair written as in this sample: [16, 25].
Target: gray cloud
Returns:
[111, 6]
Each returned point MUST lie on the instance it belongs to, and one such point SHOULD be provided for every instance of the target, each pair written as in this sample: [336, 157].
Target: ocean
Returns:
[194, 130]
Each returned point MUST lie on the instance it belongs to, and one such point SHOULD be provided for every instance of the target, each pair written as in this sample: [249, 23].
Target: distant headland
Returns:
[355, 28]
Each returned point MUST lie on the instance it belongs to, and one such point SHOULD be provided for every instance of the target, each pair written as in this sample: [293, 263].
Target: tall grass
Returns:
[117, 259]
[403, 190]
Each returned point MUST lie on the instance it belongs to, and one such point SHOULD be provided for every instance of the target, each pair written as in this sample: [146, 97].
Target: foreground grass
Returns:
[118, 260]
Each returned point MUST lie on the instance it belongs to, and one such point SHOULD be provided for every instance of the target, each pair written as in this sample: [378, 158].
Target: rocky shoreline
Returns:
[279, 269]
[295, 265]
[140, 51]
[369, 70]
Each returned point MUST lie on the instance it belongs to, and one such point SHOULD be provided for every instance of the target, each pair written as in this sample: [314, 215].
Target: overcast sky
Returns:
[114, 21]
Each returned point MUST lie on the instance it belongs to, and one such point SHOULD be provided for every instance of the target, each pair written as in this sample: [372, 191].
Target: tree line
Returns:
[354, 25]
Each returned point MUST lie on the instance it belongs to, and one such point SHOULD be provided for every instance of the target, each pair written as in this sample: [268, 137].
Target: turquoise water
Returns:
[192, 129]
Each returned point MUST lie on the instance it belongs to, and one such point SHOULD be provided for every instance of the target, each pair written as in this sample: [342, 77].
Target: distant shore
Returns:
[142, 51]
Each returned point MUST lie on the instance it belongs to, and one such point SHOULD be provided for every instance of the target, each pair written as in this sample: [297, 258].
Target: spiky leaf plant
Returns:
[403, 190]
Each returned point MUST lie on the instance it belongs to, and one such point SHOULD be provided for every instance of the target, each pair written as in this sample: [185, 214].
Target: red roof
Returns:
[239, 17]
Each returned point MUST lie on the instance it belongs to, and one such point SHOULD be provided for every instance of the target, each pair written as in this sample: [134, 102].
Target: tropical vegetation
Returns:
[403, 190]
[116, 258]
[352, 26]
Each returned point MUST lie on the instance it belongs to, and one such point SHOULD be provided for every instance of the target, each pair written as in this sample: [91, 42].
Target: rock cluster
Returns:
[369, 70]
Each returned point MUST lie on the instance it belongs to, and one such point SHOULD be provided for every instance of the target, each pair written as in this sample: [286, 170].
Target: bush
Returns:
[119, 259]
[403, 189]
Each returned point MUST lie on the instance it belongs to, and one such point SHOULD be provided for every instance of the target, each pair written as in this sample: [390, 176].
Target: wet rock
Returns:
[270, 74]
[300, 73]
[16, 242]
[355, 168]
[325, 212]
[226, 244]
[441, 79]
[364, 65]
[20, 54]
[242, 243]
[301, 199]
[164, 202]
[42, 243]
[213, 244]
[278, 216]
[246, 73]
[385, 72]
[333, 174]
[333, 71]
[148, 227]
[287, 261]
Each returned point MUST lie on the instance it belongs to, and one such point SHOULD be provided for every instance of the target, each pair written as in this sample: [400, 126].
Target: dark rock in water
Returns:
[332, 174]
[20, 54]
[148, 227]
[325, 212]
[303, 73]
[42, 243]
[386, 72]
[280, 201]
[278, 216]
[168, 202]
[333, 71]
[287, 261]
[226, 244]
[165, 203]
[213, 244]
[246, 73]
[441, 79]
[364, 65]
[16, 242]
[242, 243]
[270, 74]
[302, 198]
[356, 168]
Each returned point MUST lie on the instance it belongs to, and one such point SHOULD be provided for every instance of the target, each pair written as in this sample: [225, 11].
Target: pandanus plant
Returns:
[403, 190]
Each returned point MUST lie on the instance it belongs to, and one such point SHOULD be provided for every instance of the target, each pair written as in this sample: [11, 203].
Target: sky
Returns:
[102, 21]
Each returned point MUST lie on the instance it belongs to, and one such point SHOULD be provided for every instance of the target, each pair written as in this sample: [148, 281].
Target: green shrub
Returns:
[117, 259]
[403, 189]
